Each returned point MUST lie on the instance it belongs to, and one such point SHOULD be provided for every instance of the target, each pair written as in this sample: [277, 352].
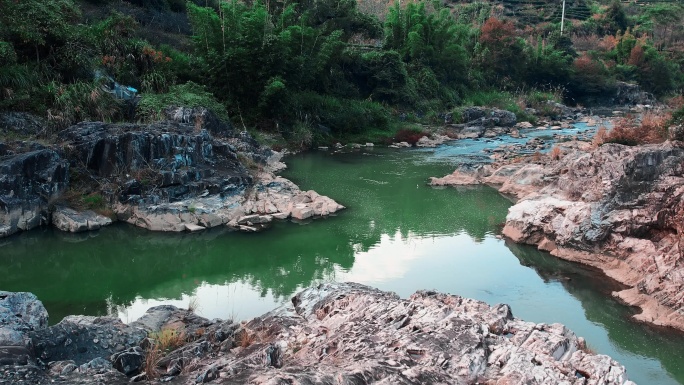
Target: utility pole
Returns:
[563, 17]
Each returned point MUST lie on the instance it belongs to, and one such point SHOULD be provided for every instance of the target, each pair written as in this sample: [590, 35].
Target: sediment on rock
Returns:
[617, 208]
[335, 333]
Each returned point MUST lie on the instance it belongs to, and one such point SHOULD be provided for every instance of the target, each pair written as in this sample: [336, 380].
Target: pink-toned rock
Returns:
[617, 208]
[457, 178]
[339, 330]
[625, 205]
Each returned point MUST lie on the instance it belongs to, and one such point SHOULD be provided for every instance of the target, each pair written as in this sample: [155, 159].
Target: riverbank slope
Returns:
[614, 207]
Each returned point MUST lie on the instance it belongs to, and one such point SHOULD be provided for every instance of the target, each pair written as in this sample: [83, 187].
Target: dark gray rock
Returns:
[130, 361]
[21, 124]
[21, 312]
[173, 159]
[473, 113]
[488, 117]
[631, 94]
[29, 181]
[82, 339]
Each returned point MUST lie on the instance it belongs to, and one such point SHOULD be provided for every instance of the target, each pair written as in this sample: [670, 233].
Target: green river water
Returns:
[397, 234]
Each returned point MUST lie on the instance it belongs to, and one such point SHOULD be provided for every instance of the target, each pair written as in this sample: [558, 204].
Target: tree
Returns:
[503, 54]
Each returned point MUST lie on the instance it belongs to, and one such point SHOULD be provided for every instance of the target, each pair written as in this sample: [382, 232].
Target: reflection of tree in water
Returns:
[592, 289]
[388, 194]
[121, 263]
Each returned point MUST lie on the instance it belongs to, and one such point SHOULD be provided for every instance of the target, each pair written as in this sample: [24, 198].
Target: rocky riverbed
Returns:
[614, 207]
[187, 173]
[336, 333]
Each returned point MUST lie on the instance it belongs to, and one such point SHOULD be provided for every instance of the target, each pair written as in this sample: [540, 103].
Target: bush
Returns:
[187, 95]
[340, 116]
[629, 131]
[81, 101]
[410, 136]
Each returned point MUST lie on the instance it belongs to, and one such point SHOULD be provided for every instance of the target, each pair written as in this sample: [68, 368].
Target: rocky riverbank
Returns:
[190, 172]
[335, 333]
[614, 207]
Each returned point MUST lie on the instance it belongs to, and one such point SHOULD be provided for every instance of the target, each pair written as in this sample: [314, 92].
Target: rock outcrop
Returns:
[20, 313]
[617, 208]
[31, 177]
[70, 220]
[335, 333]
[190, 172]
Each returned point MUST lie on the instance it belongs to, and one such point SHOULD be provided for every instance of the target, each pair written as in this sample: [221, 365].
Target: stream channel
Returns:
[396, 234]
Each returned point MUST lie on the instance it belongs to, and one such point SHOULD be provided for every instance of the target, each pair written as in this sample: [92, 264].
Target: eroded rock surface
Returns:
[335, 333]
[617, 208]
[67, 219]
[189, 172]
[31, 176]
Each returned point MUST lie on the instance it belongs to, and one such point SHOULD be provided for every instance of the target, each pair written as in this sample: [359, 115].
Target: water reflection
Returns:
[398, 234]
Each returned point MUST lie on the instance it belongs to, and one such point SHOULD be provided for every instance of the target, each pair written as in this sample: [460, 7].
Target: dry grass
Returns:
[162, 343]
[676, 102]
[599, 137]
[193, 304]
[169, 339]
[246, 338]
[555, 153]
[630, 131]
[152, 358]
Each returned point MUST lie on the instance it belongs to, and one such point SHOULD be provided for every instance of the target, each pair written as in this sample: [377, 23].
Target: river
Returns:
[397, 234]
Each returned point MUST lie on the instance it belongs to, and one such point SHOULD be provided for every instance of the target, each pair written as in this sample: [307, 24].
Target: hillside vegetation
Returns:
[314, 70]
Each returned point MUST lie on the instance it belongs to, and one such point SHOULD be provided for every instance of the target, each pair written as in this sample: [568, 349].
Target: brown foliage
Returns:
[555, 153]
[409, 136]
[586, 42]
[636, 56]
[599, 137]
[586, 65]
[652, 128]
[608, 43]
[676, 102]
[496, 32]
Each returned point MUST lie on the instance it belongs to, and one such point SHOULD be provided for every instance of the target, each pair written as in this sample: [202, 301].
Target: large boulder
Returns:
[31, 177]
[82, 339]
[331, 333]
[20, 313]
[488, 117]
[68, 219]
[176, 159]
[631, 94]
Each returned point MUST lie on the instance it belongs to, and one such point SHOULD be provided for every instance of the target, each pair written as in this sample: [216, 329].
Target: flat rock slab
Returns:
[194, 228]
[70, 220]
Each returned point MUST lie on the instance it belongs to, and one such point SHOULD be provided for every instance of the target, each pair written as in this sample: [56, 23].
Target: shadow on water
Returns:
[593, 289]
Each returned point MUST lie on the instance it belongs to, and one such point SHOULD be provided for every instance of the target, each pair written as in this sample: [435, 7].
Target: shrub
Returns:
[188, 95]
[340, 116]
[631, 132]
[81, 101]
[94, 201]
[410, 136]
